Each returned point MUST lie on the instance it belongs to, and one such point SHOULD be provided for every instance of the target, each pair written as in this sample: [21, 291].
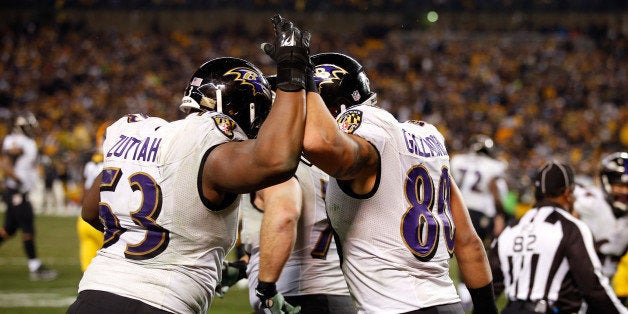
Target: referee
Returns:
[546, 263]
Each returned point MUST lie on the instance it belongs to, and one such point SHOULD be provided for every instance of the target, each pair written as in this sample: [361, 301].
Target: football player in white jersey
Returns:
[392, 203]
[19, 163]
[480, 178]
[604, 209]
[169, 192]
[298, 255]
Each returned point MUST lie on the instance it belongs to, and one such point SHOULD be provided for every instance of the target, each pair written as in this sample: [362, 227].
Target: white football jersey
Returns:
[251, 224]
[313, 266]
[396, 241]
[609, 232]
[473, 173]
[25, 166]
[249, 237]
[163, 245]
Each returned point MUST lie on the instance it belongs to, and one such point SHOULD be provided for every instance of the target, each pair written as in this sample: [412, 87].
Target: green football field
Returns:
[57, 246]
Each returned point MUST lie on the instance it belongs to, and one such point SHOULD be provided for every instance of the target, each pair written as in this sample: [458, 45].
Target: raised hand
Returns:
[290, 50]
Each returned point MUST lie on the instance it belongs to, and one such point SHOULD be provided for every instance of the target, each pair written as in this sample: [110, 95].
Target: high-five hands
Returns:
[290, 49]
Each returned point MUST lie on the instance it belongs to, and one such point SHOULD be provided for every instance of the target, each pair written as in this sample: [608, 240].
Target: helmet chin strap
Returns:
[219, 98]
[251, 113]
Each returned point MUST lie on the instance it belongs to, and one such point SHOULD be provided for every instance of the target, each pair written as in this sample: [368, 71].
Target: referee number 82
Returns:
[524, 243]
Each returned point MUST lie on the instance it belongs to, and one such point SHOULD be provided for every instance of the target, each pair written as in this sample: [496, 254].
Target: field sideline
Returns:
[57, 246]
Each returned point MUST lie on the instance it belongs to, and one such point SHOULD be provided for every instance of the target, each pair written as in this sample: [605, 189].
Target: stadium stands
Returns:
[539, 89]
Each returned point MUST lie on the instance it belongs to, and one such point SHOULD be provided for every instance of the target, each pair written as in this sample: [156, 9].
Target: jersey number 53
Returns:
[156, 238]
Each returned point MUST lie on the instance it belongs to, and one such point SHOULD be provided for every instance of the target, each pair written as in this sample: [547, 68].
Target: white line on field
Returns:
[16, 261]
[35, 300]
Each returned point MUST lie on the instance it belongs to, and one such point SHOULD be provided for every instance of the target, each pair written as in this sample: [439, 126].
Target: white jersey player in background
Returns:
[169, 192]
[397, 213]
[19, 162]
[293, 215]
[480, 177]
[604, 208]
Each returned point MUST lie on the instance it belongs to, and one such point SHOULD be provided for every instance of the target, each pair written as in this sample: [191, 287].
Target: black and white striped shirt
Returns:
[549, 255]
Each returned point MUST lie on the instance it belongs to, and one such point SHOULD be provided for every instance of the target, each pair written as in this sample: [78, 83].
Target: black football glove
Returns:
[232, 272]
[272, 301]
[290, 50]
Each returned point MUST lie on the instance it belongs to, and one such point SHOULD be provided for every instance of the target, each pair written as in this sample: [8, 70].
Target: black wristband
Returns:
[290, 79]
[265, 290]
[292, 63]
[483, 299]
[310, 84]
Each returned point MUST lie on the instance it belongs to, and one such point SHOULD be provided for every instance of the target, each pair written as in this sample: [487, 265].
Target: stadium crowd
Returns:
[538, 92]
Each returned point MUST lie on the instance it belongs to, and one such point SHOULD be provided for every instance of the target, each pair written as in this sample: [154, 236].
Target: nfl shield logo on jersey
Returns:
[225, 124]
[350, 120]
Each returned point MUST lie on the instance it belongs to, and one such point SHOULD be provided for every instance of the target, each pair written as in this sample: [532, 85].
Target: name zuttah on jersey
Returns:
[162, 245]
